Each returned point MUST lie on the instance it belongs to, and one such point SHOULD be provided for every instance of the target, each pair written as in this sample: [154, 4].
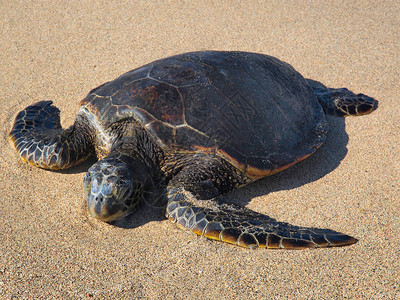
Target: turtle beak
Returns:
[105, 208]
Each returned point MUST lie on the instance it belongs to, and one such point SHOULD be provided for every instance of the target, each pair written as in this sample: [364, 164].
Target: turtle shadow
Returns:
[143, 215]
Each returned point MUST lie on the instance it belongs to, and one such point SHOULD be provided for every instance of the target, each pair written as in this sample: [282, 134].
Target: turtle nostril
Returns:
[99, 198]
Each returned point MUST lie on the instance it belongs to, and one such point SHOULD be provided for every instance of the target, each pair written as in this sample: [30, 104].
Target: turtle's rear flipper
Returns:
[240, 226]
[40, 140]
[342, 102]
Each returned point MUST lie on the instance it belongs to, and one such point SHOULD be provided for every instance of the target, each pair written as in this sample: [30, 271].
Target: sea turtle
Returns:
[200, 124]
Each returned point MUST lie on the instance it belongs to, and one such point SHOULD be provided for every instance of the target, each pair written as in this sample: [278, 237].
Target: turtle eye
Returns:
[87, 183]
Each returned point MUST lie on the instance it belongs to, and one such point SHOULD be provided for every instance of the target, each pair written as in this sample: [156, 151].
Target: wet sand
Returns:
[51, 248]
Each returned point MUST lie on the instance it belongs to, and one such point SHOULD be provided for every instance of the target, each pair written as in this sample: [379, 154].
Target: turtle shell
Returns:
[253, 110]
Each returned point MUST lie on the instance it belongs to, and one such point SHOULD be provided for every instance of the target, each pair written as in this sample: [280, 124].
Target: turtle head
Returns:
[114, 186]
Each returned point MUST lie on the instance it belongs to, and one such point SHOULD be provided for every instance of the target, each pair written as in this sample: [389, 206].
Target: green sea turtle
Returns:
[201, 124]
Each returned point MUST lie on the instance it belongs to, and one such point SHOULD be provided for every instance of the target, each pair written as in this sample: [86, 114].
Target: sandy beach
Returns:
[50, 248]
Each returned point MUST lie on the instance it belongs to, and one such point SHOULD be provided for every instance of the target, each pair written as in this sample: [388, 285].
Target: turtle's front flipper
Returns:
[236, 225]
[342, 102]
[38, 137]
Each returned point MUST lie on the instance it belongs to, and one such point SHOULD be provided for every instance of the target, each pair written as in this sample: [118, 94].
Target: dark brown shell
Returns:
[253, 110]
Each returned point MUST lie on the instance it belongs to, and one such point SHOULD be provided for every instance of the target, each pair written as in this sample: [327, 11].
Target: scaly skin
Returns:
[239, 226]
[342, 102]
[39, 139]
